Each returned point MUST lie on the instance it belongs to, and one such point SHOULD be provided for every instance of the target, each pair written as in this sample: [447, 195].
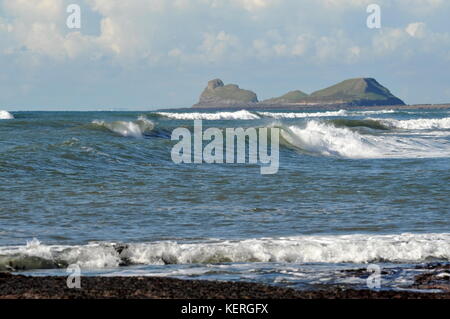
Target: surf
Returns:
[418, 124]
[353, 123]
[5, 115]
[357, 248]
[255, 115]
[328, 139]
[237, 115]
[298, 115]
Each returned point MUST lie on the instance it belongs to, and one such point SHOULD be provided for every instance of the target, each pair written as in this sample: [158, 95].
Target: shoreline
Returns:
[27, 287]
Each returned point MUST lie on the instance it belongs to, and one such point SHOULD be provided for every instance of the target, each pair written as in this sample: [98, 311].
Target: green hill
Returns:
[291, 97]
[363, 91]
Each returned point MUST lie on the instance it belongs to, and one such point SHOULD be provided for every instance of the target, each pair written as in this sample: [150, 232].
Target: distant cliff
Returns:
[352, 92]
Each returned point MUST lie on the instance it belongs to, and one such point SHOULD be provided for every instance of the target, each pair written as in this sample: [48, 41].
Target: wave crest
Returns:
[128, 129]
[302, 249]
[238, 115]
[5, 115]
[247, 115]
[296, 115]
[326, 139]
[418, 124]
[322, 138]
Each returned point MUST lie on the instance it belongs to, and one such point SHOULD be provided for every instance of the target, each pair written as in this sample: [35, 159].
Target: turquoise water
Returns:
[100, 189]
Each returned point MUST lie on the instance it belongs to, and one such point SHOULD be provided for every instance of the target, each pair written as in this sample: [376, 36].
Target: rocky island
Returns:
[351, 92]
[216, 94]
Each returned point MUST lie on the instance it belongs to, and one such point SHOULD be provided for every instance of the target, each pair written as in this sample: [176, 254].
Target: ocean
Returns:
[100, 190]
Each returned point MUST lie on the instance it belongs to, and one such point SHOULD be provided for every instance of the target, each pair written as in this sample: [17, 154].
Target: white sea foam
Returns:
[294, 115]
[5, 115]
[327, 249]
[128, 129]
[403, 248]
[238, 115]
[325, 139]
[246, 115]
[373, 112]
[418, 124]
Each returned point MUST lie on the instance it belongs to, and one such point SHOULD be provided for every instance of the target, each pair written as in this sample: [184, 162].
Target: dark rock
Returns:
[14, 287]
[20, 262]
[437, 278]
[122, 251]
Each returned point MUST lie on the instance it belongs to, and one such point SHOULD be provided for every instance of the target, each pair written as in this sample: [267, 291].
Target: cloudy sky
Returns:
[147, 54]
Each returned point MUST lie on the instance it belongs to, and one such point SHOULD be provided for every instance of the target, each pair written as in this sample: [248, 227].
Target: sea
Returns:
[355, 189]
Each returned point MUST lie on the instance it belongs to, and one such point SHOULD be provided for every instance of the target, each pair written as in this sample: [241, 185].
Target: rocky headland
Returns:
[349, 93]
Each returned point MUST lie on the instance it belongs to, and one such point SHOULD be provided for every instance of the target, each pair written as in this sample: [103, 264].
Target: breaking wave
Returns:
[238, 115]
[399, 248]
[247, 115]
[5, 115]
[324, 138]
[374, 112]
[295, 115]
[372, 124]
[128, 129]
[418, 124]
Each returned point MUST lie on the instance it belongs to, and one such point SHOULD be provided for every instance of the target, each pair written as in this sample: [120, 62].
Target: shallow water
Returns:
[353, 187]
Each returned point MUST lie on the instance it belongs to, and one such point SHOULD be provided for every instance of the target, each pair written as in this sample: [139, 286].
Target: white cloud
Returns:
[416, 30]
[35, 10]
[346, 3]
[413, 39]
[421, 6]
[215, 46]
[252, 5]
[199, 31]
[337, 47]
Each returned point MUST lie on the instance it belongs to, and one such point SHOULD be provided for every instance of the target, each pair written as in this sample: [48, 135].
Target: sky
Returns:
[150, 54]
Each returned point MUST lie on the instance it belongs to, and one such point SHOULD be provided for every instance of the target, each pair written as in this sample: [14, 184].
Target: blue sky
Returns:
[147, 54]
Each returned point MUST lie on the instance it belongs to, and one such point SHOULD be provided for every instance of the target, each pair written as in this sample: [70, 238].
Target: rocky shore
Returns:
[432, 284]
